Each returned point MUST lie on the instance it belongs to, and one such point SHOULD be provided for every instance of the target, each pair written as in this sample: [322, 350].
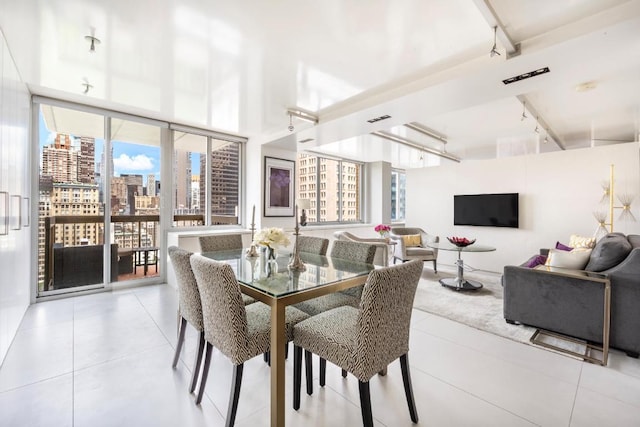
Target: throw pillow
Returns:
[412, 240]
[609, 252]
[575, 260]
[576, 241]
[535, 261]
[562, 247]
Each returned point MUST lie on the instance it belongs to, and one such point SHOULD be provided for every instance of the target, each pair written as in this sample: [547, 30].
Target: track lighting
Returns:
[494, 50]
[291, 128]
[94, 41]
[87, 86]
[537, 129]
[524, 112]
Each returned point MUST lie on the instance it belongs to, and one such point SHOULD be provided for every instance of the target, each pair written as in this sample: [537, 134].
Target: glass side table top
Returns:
[459, 283]
[446, 246]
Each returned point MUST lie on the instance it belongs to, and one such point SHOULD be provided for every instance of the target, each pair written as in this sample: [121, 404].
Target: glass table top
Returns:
[446, 246]
[277, 280]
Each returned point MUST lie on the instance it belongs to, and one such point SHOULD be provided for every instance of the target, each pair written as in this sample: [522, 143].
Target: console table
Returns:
[459, 283]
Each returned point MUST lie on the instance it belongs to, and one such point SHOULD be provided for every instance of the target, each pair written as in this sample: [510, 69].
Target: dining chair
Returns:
[189, 307]
[365, 340]
[313, 245]
[239, 332]
[341, 251]
[220, 242]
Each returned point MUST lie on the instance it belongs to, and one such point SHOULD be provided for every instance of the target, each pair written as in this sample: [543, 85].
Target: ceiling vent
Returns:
[303, 141]
[526, 75]
[377, 119]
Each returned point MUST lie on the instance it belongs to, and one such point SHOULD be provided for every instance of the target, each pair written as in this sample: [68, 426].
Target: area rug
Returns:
[481, 309]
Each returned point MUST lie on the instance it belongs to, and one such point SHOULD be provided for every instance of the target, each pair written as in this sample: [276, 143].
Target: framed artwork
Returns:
[279, 184]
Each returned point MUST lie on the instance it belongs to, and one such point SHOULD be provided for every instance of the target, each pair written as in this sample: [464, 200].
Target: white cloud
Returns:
[139, 162]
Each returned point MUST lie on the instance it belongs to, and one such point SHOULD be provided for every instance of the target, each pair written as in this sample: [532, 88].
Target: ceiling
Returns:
[238, 67]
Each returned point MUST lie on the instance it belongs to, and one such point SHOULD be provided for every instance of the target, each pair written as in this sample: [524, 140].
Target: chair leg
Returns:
[297, 375]
[435, 267]
[308, 371]
[408, 388]
[323, 371]
[286, 350]
[196, 364]
[235, 394]
[267, 358]
[365, 404]
[181, 329]
[205, 372]
[383, 372]
[344, 374]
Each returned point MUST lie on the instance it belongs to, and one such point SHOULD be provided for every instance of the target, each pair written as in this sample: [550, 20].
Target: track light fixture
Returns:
[494, 50]
[94, 41]
[537, 129]
[524, 112]
[87, 86]
[290, 123]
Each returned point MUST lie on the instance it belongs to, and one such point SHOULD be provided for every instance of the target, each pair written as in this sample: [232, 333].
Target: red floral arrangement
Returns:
[382, 229]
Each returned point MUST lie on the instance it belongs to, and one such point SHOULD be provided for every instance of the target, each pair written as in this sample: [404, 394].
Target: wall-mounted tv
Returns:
[487, 210]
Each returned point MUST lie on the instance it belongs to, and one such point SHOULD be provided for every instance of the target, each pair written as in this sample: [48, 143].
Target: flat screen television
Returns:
[486, 210]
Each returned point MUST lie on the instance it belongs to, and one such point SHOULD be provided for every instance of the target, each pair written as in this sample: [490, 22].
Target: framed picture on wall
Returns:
[279, 184]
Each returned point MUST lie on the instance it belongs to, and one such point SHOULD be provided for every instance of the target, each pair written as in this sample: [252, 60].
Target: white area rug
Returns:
[481, 309]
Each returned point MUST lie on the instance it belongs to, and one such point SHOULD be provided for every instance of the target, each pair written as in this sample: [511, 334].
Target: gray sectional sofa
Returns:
[572, 305]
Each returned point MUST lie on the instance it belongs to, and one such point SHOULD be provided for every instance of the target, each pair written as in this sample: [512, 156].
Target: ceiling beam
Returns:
[415, 145]
[490, 15]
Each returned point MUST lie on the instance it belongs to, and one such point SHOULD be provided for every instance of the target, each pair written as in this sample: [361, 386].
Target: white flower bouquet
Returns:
[271, 237]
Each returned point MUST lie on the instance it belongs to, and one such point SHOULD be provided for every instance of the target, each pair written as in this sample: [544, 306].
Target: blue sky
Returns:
[128, 158]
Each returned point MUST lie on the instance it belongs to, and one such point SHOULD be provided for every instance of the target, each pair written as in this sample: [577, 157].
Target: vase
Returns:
[272, 264]
[271, 253]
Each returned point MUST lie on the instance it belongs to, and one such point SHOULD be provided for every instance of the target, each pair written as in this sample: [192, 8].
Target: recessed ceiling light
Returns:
[524, 76]
[586, 86]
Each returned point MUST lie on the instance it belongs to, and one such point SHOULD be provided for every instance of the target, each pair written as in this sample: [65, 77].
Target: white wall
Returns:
[558, 194]
[15, 248]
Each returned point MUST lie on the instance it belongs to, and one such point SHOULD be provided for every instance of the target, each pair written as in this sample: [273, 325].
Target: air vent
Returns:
[302, 141]
[377, 119]
[526, 75]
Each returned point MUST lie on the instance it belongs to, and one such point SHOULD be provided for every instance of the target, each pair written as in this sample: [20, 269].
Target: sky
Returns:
[128, 158]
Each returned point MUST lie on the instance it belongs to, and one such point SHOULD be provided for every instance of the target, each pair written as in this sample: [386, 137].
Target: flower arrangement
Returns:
[382, 229]
[271, 237]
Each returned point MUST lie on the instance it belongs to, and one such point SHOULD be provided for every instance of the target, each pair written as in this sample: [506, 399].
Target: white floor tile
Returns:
[612, 383]
[42, 315]
[43, 404]
[596, 410]
[38, 354]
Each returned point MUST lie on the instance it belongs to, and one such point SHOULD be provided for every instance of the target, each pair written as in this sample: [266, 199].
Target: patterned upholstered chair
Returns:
[411, 243]
[189, 306]
[240, 332]
[340, 251]
[364, 341]
[313, 245]
[221, 242]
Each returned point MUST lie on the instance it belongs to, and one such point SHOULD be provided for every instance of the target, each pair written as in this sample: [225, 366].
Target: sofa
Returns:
[571, 302]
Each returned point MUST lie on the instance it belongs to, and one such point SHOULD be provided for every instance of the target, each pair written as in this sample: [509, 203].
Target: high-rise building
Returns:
[151, 185]
[195, 193]
[76, 199]
[60, 161]
[86, 160]
[225, 173]
[182, 179]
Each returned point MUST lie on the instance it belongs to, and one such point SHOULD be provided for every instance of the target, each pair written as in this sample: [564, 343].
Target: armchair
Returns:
[382, 248]
[406, 250]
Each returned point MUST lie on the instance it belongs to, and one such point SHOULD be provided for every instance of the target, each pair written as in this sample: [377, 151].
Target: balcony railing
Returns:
[127, 231]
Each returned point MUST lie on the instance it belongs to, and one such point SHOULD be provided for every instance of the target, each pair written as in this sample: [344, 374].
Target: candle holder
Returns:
[252, 252]
[296, 263]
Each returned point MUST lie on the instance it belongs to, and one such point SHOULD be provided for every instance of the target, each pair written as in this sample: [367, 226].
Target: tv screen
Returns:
[488, 210]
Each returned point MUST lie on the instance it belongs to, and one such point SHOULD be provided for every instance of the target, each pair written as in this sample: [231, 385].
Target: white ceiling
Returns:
[238, 66]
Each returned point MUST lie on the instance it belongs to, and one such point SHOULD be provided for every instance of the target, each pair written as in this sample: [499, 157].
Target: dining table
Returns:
[273, 283]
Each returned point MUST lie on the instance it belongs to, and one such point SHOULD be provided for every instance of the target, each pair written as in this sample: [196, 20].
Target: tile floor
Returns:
[104, 360]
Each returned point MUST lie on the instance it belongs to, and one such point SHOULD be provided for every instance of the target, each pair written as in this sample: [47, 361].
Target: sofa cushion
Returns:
[574, 260]
[535, 261]
[576, 241]
[634, 239]
[563, 247]
[609, 252]
[411, 240]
